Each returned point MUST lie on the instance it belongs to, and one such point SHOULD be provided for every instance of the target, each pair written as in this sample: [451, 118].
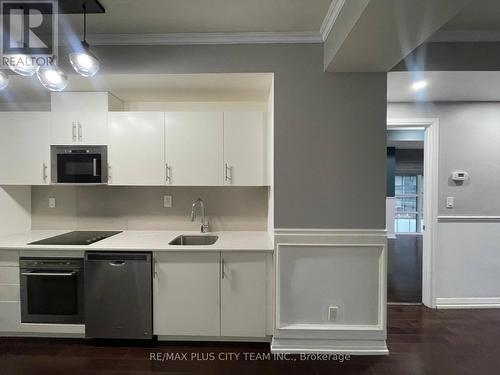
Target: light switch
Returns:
[450, 202]
[167, 201]
[332, 313]
[52, 202]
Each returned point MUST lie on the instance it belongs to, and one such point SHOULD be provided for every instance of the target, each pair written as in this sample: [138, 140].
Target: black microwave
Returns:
[79, 164]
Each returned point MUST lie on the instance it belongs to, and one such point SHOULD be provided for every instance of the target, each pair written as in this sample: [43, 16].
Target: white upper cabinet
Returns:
[136, 148]
[243, 294]
[24, 148]
[80, 117]
[244, 148]
[194, 148]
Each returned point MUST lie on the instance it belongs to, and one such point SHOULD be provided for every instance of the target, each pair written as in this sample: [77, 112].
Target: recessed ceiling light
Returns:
[4, 80]
[418, 85]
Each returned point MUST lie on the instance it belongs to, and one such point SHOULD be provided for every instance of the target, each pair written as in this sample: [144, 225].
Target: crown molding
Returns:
[444, 36]
[330, 18]
[205, 38]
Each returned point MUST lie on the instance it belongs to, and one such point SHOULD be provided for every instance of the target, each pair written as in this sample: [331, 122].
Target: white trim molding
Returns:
[468, 219]
[206, 38]
[252, 37]
[330, 18]
[431, 199]
[468, 303]
[306, 334]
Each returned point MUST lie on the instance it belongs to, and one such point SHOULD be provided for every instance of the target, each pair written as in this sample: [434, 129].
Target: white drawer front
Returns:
[9, 275]
[9, 258]
[9, 293]
[10, 316]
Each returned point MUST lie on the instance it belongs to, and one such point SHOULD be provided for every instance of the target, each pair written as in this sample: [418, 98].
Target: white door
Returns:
[244, 148]
[186, 293]
[24, 148]
[79, 118]
[194, 148]
[243, 294]
[136, 148]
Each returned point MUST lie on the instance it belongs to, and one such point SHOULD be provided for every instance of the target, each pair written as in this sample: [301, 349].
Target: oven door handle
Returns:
[94, 167]
[48, 273]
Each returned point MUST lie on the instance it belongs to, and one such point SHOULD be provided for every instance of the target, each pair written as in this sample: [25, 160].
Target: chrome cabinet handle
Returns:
[73, 131]
[167, 174]
[109, 174]
[155, 271]
[222, 268]
[80, 132]
[44, 172]
[227, 172]
[48, 273]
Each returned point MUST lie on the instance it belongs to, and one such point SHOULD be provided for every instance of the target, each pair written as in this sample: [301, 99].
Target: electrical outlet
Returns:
[52, 202]
[167, 201]
[333, 313]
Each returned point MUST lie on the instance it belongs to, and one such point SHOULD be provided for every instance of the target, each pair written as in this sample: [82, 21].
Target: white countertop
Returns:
[145, 241]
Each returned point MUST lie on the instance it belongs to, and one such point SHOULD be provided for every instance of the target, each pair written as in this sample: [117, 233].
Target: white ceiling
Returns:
[151, 87]
[203, 16]
[478, 21]
[444, 86]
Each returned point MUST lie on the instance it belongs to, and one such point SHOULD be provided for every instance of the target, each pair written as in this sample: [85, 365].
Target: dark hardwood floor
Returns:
[404, 269]
[421, 341]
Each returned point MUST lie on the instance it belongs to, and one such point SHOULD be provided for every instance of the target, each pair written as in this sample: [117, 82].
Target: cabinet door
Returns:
[194, 148]
[24, 148]
[136, 148]
[244, 148]
[243, 294]
[186, 293]
[79, 117]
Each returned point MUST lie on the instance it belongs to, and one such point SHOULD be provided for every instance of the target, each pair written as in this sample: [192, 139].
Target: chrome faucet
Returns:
[204, 219]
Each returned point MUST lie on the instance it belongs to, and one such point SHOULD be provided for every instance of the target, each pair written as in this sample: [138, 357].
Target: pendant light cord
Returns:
[84, 23]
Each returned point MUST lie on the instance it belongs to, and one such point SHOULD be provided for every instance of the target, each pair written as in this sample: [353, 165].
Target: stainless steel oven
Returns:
[52, 290]
[79, 164]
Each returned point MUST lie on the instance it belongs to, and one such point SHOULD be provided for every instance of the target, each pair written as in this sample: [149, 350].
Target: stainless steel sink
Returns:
[194, 240]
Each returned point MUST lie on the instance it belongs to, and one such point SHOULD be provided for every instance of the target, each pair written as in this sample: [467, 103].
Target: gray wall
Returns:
[457, 56]
[141, 208]
[329, 128]
[469, 140]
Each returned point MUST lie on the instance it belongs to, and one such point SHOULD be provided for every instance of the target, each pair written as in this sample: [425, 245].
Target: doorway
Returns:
[405, 150]
[411, 209]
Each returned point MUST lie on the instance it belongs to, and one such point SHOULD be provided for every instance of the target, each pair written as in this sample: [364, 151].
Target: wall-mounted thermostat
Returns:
[459, 176]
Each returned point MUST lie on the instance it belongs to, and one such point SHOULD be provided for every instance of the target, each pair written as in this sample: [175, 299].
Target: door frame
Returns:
[431, 165]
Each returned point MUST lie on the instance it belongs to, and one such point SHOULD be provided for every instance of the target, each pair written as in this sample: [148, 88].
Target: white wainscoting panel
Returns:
[468, 263]
[317, 269]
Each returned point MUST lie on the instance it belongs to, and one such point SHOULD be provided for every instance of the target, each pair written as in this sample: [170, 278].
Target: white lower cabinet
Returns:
[243, 294]
[210, 294]
[10, 306]
[186, 294]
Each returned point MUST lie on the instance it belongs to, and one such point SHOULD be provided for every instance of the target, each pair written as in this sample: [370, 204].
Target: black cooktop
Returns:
[79, 237]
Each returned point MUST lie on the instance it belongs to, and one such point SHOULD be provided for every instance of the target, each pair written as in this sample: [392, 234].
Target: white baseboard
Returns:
[468, 303]
[354, 347]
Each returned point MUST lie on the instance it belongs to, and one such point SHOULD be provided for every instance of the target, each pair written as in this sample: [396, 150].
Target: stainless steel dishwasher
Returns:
[118, 295]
